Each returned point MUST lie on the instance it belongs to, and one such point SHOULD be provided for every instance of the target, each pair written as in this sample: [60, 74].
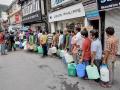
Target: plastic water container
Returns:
[72, 69]
[92, 72]
[81, 70]
[35, 48]
[40, 50]
[104, 73]
[64, 60]
[62, 53]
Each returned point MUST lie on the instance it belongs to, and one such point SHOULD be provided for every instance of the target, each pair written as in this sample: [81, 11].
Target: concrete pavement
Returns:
[21, 70]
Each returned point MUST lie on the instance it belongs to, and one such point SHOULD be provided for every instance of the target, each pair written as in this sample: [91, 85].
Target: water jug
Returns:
[104, 73]
[81, 70]
[61, 53]
[58, 52]
[35, 48]
[92, 72]
[72, 69]
[64, 60]
[20, 45]
[40, 50]
[68, 58]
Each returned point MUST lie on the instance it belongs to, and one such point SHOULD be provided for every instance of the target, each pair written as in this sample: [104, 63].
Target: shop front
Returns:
[33, 14]
[67, 17]
[92, 14]
[112, 16]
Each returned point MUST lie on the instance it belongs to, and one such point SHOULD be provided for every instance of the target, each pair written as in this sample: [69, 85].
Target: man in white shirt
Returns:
[79, 38]
[21, 36]
[61, 39]
[96, 50]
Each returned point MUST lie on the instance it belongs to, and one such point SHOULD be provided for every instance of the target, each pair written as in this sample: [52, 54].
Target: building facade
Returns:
[110, 14]
[66, 14]
[3, 16]
[14, 15]
[34, 14]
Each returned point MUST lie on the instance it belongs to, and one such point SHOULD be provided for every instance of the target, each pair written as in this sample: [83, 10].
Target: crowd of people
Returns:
[85, 46]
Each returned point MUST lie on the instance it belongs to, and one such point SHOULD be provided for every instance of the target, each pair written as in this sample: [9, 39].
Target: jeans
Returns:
[86, 62]
[44, 46]
[2, 49]
[111, 70]
[98, 64]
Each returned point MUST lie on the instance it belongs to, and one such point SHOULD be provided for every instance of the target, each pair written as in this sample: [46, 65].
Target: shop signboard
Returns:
[32, 17]
[108, 4]
[17, 18]
[55, 3]
[91, 9]
[71, 12]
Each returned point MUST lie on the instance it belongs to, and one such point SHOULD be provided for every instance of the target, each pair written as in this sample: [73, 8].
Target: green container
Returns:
[92, 72]
[40, 50]
[35, 48]
[58, 52]
[14, 46]
[72, 69]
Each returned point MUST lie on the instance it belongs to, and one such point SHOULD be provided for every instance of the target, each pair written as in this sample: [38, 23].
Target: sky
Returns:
[6, 2]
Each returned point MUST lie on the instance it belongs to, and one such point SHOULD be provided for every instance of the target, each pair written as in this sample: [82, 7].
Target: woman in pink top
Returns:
[74, 46]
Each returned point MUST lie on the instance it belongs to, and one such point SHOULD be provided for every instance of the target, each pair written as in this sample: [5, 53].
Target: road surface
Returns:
[22, 70]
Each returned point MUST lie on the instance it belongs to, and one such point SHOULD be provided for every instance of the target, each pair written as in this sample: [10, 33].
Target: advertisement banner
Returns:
[108, 4]
[71, 12]
[17, 18]
[91, 9]
[55, 3]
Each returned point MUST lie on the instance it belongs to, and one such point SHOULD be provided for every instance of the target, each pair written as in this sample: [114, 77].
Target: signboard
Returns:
[17, 18]
[32, 17]
[108, 4]
[55, 3]
[91, 9]
[73, 11]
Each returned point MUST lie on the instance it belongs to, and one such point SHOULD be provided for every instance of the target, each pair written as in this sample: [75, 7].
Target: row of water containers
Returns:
[92, 71]
[80, 69]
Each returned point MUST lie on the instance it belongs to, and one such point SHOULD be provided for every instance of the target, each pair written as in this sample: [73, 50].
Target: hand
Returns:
[92, 64]
[104, 62]
[81, 60]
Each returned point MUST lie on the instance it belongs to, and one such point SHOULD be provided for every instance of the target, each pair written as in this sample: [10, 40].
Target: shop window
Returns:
[70, 26]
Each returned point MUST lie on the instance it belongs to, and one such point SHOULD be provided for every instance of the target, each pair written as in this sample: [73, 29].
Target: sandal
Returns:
[103, 85]
[109, 85]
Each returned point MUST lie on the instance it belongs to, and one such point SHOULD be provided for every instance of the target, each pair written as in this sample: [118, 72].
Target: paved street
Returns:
[21, 70]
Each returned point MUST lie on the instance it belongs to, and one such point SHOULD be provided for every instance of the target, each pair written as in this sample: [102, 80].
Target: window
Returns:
[37, 5]
[42, 7]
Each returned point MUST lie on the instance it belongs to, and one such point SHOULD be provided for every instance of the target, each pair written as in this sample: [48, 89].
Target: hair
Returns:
[57, 31]
[43, 32]
[54, 33]
[78, 29]
[84, 33]
[61, 32]
[40, 31]
[94, 33]
[110, 30]
[73, 32]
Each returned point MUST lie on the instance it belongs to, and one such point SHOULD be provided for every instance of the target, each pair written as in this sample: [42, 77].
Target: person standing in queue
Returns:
[43, 42]
[2, 42]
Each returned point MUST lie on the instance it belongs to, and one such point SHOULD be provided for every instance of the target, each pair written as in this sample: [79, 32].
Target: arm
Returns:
[107, 53]
[93, 57]
[93, 52]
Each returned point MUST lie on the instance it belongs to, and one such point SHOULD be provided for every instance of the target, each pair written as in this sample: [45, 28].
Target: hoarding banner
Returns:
[55, 3]
[108, 4]
[71, 12]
